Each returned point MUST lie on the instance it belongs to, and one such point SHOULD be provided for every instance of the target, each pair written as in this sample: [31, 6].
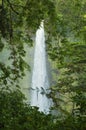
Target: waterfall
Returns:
[40, 83]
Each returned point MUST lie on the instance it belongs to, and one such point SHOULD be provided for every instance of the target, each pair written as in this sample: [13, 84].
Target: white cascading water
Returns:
[40, 83]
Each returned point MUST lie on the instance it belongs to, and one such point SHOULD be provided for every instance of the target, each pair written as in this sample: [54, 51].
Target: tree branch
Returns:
[12, 7]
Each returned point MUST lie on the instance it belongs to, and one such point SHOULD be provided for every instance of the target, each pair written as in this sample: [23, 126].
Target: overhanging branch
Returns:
[12, 7]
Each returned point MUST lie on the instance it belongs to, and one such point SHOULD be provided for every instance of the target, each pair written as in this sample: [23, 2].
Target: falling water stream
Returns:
[40, 83]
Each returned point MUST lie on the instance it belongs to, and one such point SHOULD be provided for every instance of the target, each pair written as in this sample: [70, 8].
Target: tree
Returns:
[15, 113]
[18, 23]
[68, 53]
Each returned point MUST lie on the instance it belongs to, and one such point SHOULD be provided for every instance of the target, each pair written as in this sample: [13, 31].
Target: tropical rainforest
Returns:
[65, 27]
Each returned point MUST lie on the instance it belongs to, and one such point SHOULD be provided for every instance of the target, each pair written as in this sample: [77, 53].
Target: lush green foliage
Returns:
[17, 115]
[18, 23]
[69, 54]
[66, 45]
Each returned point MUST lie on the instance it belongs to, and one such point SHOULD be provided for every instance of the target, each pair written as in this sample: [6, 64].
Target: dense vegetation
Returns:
[66, 46]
